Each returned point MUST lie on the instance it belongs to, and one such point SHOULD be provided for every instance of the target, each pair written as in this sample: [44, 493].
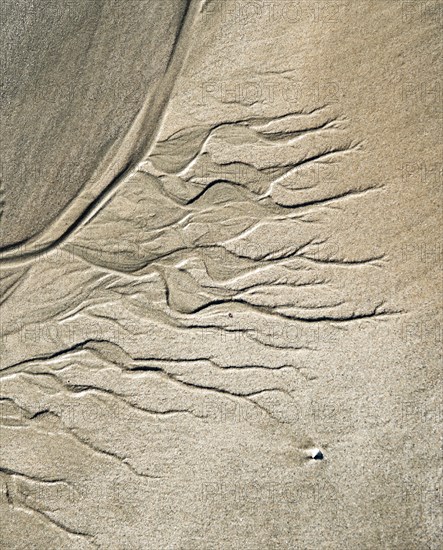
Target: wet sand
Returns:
[231, 336]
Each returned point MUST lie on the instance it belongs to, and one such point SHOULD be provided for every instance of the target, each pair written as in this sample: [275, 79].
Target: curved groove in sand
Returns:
[122, 159]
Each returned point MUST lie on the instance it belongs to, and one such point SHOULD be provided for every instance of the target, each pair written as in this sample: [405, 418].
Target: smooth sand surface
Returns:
[75, 76]
[229, 337]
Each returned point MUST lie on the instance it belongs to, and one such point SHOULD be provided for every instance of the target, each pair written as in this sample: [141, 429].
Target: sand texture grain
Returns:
[221, 275]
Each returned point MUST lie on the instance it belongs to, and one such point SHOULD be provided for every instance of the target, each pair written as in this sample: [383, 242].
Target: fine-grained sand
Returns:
[221, 275]
[75, 76]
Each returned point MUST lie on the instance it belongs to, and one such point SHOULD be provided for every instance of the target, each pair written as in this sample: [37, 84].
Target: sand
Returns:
[221, 275]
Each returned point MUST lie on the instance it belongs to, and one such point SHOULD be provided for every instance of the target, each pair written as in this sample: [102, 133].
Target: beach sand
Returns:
[222, 283]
